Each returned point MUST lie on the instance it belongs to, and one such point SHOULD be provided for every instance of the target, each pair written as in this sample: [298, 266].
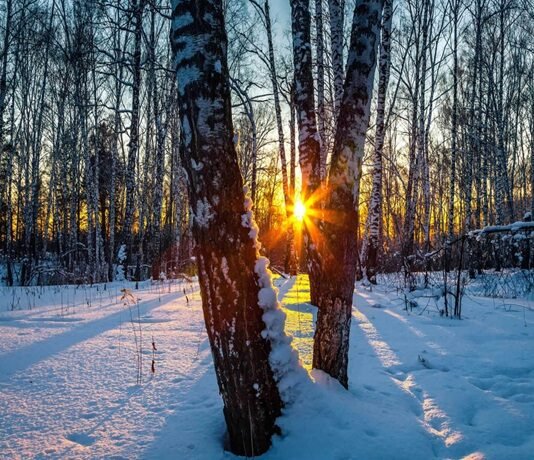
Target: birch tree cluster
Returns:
[89, 141]
[458, 144]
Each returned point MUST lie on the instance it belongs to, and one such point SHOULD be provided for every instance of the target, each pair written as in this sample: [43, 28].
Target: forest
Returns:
[90, 131]
[260, 187]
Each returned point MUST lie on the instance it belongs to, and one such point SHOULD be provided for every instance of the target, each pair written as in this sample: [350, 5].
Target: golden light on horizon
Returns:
[299, 211]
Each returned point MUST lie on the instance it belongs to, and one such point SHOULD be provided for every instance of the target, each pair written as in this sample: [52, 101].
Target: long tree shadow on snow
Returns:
[23, 358]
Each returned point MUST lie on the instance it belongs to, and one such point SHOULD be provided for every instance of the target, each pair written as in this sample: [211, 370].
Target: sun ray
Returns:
[299, 210]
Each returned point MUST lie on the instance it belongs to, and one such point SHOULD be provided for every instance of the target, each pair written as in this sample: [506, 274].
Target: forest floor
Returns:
[421, 385]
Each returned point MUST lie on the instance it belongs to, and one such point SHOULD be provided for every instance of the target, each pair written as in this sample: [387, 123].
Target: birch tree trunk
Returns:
[338, 243]
[5, 185]
[321, 109]
[309, 145]
[235, 285]
[37, 140]
[3, 74]
[422, 151]
[289, 196]
[455, 5]
[375, 208]
[162, 123]
[337, 10]
[137, 7]
[118, 88]
[413, 164]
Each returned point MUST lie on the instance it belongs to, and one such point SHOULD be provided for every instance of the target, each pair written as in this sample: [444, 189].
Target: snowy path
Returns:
[421, 386]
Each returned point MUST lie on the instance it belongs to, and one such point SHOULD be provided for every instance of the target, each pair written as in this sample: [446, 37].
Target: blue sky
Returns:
[281, 16]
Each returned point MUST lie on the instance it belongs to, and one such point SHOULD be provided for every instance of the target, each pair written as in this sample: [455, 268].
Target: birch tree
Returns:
[309, 142]
[137, 9]
[337, 14]
[374, 216]
[338, 243]
[235, 283]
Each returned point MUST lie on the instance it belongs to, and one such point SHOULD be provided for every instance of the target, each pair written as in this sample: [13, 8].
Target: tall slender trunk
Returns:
[375, 207]
[422, 151]
[454, 117]
[137, 7]
[36, 146]
[118, 55]
[321, 108]
[309, 145]
[290, 258]
[3, 74]
[99, 242]
[161, 135]
[413, 162]
[337, 12]
[5, 188]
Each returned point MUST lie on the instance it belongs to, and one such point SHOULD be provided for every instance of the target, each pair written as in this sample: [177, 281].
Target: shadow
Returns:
[23, 358]
[196, 428]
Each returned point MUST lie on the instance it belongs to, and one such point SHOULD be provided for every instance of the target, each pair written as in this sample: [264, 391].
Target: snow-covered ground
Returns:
[421, 386]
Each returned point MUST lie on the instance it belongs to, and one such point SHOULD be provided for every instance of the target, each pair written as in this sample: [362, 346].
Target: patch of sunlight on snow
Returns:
[435, 420]
[475, 456]
[300, 321]
[409, 385]
[385, 354]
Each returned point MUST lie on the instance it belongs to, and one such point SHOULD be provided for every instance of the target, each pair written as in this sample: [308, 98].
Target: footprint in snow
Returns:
[81, 438]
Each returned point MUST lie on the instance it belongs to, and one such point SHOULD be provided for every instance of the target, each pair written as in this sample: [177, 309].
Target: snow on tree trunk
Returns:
[309, 146]
[250, 351]
[375, 207]
[339, 243]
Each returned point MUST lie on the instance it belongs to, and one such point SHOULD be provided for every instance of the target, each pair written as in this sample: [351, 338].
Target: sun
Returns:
[299, 210]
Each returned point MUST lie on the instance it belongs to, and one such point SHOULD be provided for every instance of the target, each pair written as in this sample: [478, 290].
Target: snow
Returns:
[204, 213]
[197, 166]
[119, 268]
[247, 219]
[421, 386]
[283, 358]
[513, 227]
